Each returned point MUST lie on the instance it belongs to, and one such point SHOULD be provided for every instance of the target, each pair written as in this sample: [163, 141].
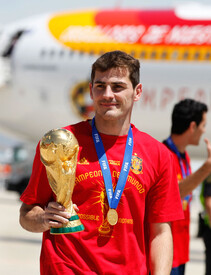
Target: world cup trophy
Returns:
[58, 152]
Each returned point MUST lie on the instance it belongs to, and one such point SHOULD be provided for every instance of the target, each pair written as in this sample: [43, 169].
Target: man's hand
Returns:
[188, 184]
[55, 215]
[36, 219]
[208, 144]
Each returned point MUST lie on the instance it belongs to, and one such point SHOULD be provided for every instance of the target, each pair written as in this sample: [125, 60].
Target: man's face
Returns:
[199, 130]
[113, 94]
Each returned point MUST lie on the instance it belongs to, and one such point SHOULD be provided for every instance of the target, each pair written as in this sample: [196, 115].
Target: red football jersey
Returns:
[150, 195]
[180, 228]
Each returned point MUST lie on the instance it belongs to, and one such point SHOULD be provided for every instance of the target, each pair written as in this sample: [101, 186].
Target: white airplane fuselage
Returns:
[48, 86]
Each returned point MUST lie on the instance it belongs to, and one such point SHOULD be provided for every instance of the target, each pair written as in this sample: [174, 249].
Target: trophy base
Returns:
[74, 225]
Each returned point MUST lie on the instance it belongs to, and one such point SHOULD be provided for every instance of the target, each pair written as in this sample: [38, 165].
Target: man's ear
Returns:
[138, 92]
[90, 90]
[192, 126]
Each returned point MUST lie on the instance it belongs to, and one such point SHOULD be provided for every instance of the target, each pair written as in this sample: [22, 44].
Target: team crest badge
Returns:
[81, 101]
[137, 165]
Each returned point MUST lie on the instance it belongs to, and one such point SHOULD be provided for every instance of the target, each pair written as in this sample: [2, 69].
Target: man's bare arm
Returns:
[187, 185]
[36, 219]
[161, 248]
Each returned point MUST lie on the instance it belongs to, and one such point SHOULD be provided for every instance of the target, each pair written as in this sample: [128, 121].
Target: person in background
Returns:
[144, 194]
[206, 234]
[188, 125]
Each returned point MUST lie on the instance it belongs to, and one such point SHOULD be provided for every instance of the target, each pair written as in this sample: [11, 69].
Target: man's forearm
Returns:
[161, 249]
[31, 218]
[187, 185]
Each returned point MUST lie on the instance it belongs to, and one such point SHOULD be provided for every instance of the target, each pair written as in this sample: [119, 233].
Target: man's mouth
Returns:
[108, 104]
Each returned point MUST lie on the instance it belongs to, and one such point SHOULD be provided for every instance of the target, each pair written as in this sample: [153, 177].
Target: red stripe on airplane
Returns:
[144, 17]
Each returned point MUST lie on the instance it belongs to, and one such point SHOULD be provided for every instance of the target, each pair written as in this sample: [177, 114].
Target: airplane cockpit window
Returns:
[11, 43]
[7, 48]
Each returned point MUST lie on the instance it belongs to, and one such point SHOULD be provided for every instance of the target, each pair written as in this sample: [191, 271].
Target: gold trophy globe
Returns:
[58, 152]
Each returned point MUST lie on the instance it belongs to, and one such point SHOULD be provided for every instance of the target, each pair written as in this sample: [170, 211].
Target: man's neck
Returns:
[180, 142]
[112, 127]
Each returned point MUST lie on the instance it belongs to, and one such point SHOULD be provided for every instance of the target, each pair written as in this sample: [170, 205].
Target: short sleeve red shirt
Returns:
[180, 228]
[150, 196]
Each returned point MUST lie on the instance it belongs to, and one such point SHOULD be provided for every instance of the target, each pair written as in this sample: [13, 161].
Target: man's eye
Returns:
[117, 87]
[100, 86]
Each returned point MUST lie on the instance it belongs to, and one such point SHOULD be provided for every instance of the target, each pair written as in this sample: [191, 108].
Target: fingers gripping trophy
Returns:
[58, 152]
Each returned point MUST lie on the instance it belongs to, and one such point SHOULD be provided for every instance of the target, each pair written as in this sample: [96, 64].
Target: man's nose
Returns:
[108, 93]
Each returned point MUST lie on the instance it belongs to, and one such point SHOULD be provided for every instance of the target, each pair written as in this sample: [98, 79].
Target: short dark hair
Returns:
[117, 59]
[185, 112]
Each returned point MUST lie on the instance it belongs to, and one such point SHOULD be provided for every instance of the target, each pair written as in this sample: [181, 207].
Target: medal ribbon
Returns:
[113, 197]
[174, 149]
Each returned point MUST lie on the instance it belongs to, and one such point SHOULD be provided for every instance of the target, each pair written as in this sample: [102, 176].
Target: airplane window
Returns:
[132, 53]
[196, 55]
[143, 54]
[207, 55]
[174, 55]
[185, 55]
[164, 55]
[61, 53]
[52, 53]
[43, 52]
[153, 54]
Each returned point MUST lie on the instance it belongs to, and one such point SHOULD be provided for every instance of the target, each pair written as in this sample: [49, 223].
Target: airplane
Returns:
[45, 64]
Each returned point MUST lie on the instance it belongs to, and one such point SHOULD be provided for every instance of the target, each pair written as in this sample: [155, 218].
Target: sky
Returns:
[13, 10]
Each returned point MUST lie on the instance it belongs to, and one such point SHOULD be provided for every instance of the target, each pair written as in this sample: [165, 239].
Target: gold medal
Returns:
[112, 216]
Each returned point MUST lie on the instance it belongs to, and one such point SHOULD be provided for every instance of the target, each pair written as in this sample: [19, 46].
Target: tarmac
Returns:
[20, 250]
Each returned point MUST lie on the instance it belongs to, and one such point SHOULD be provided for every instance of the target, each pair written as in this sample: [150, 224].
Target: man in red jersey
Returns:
[188, 124]
[121, 172]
